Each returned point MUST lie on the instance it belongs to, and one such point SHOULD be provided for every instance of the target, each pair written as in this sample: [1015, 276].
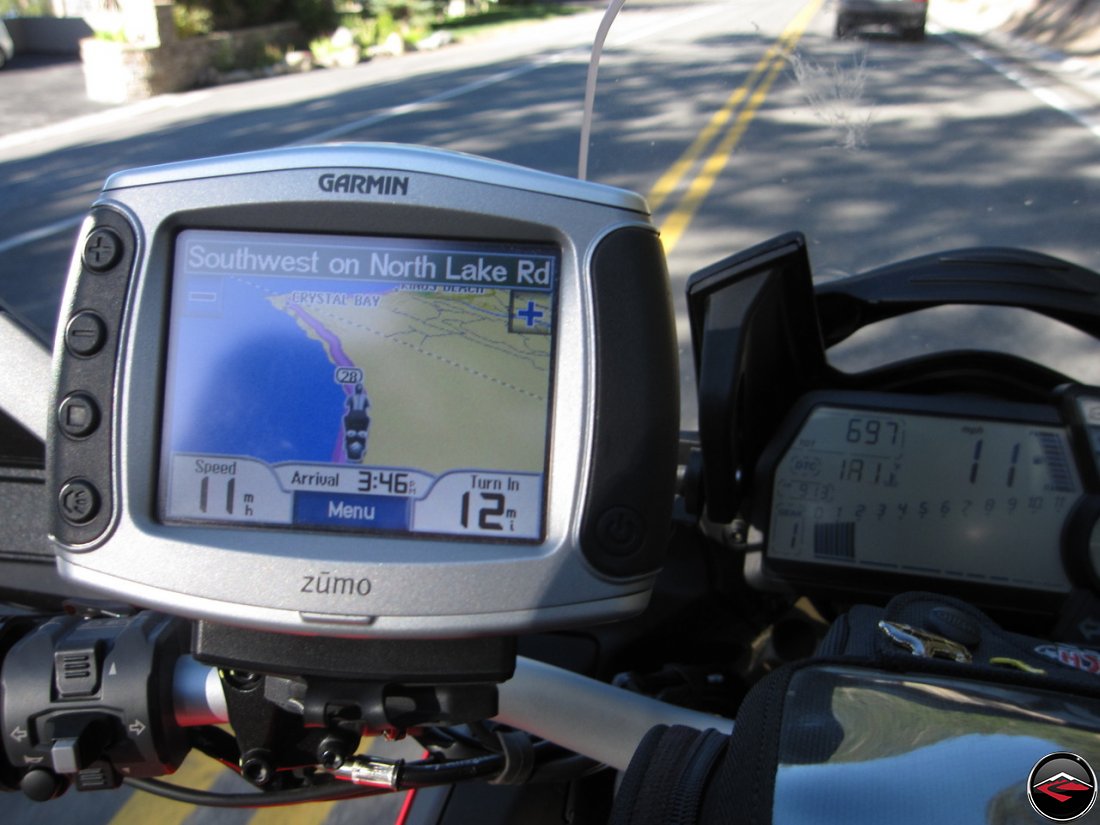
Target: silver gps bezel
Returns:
[415, 587]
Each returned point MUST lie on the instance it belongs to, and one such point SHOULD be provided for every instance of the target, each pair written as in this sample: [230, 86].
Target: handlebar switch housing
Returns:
[108, 708]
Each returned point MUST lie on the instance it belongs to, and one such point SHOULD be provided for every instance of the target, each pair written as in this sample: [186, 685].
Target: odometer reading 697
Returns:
[927, 495]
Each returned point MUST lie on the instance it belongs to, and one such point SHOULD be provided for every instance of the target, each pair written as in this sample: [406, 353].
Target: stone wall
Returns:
[117, 72]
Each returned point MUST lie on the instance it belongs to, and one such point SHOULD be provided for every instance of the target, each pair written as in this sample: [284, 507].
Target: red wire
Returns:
[406, 807]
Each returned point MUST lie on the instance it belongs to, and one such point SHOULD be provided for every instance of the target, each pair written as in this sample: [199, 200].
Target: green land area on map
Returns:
[455, 380]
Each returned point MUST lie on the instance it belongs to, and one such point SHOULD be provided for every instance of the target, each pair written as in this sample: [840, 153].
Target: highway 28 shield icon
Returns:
[1062, 787]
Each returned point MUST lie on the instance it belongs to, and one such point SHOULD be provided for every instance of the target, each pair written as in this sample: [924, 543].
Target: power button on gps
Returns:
[620, 531]
[78, 502]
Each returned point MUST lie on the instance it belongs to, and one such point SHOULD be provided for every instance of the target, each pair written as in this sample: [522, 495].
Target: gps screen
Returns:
[359, 383]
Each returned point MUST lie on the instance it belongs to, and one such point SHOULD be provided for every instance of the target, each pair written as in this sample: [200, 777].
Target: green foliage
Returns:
[111, 35]
[255, 54]
[314, 16]
[364, 30]
[385, 25]
[192, 21]
[504, 13]
[26, 8]
[341, 49]
[251, 55]
[406, 10]
[224, 58]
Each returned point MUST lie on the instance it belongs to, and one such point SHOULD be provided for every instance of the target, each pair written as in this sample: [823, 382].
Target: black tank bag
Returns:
[925, 711]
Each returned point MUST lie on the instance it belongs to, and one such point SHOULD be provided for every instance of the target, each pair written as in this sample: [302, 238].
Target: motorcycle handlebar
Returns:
[90, 700]
[588, 717]
[592, 718]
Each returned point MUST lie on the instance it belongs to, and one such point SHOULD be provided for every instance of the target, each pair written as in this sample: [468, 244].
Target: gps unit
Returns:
[365, 390]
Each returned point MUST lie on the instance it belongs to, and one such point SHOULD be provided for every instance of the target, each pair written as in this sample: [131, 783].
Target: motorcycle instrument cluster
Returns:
[866, 490]
[353, 390]
[964, 471]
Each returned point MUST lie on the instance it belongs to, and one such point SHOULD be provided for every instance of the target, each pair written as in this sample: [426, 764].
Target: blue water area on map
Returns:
[248, 381]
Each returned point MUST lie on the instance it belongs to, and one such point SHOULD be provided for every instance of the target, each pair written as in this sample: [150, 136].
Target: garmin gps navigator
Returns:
[365, 390]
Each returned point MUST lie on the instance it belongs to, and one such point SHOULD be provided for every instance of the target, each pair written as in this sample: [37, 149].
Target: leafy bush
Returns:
[363, 29]
[111, 35]
[26, 8]
[224, 58]
[341, 49]
[314, 16]
[191, 21]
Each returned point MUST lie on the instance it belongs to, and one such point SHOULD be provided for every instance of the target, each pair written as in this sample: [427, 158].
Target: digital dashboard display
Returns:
[359, 383]
[945, 497]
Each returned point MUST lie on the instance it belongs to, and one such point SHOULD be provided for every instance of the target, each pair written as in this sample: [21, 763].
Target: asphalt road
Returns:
[876, 149]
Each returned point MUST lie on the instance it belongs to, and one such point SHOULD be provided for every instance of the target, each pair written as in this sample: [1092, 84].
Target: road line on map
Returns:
[673, 226]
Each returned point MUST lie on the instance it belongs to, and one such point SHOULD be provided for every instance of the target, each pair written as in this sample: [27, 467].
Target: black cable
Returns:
[486, 736]
[421, 774]
[565, 769]
[555, 763]
[435, 737]
[446, 738]
[217, 744]
[330, 792]
[426, 774]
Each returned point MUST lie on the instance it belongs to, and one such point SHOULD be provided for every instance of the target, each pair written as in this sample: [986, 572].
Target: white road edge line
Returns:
[124, 112]
[41, 232]
[1046, 95]
[106, 117]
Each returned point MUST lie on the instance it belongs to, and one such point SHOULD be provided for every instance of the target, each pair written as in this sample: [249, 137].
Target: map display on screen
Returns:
[359, 383]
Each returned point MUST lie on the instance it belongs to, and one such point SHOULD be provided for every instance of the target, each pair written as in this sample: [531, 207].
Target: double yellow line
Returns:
[752, 94]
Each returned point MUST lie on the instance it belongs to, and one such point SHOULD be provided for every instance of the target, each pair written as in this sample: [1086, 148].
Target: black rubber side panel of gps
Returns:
[632, 484]
[80, 425]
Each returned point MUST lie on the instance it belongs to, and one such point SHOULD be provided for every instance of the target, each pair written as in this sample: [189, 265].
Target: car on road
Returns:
[907, 16]
[7, 47]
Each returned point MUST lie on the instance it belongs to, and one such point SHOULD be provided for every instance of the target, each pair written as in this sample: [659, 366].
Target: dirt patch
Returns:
[1071, 26]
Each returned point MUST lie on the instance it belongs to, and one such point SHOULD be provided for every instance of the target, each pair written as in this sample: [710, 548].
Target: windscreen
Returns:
[359, 383]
